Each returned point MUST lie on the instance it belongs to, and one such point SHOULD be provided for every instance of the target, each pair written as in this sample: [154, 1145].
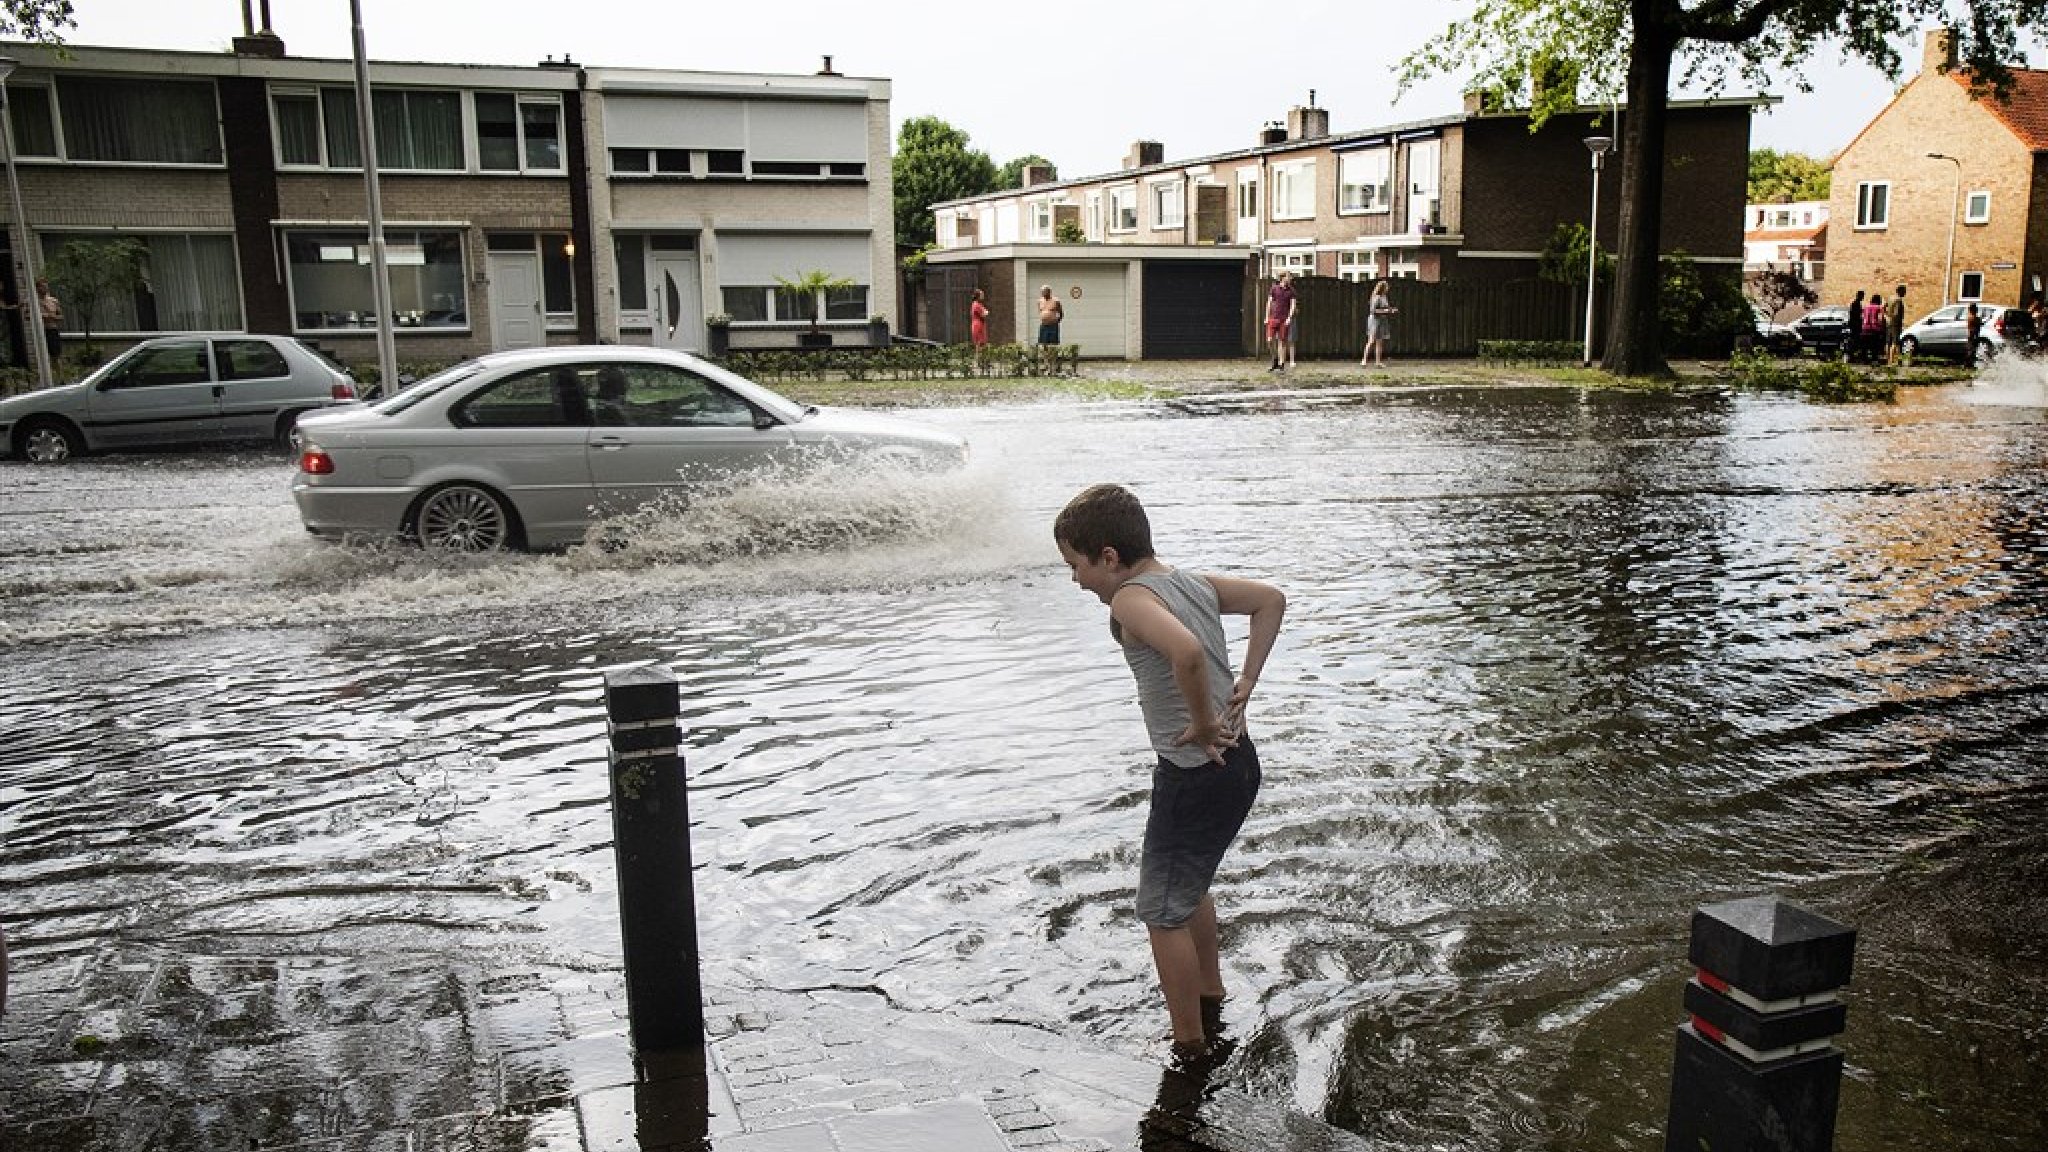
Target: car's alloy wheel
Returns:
[463, 518]
[48, 442]
[1909, 346]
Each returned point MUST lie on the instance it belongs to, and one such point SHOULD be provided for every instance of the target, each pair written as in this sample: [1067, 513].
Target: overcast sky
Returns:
[1076, 82]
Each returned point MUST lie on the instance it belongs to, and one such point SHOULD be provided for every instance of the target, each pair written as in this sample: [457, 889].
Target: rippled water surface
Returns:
[1559, 667]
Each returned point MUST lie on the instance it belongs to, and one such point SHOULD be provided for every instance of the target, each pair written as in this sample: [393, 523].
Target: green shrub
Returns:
[1834, 382]
[1530, 351]
[904, 362]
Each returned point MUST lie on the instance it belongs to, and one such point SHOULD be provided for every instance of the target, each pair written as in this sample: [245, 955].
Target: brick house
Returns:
[240, 175]
[1944, 192]
[1473, 197]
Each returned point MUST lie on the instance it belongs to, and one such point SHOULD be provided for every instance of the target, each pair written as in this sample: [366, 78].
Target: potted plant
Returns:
[878, 331]
[812, 287]
[718, 326]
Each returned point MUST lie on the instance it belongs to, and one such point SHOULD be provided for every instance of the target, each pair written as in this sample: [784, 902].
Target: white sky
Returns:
[1075, 82]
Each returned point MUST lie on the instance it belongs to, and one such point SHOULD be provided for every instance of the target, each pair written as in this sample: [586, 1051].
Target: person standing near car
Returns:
[1894, 323]
[53, 321]
[1873, 325]
[1973, 327]
[1852, 330]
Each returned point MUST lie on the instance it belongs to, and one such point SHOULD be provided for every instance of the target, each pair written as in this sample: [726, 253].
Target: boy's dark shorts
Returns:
[1048, 333]
[1195, 814]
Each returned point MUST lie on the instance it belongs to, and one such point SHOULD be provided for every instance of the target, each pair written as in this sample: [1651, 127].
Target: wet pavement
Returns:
[122, 1049]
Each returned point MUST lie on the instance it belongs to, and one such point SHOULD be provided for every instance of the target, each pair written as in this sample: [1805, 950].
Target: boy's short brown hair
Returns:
[1105, 516]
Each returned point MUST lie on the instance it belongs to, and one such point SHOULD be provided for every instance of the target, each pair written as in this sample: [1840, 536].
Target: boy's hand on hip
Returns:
[1212, 738]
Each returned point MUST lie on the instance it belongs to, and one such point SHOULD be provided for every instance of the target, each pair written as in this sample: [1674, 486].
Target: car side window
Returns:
[541, 398]
[248, 360]
[664, 396]
[162, 365]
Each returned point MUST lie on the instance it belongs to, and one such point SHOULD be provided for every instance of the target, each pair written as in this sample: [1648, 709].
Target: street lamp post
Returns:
[1598, 146]
[1955, 209]
[26, 297]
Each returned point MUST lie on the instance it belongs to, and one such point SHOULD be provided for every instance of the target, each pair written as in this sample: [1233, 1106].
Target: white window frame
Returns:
[1039, 213]
[1169, 204]
[1123, 199]
[1359, 265]
[1094, 216]
[1293, 186]
[1963, 280]
[1300, 261]
[1347, 180]
[1977, 206]
[471, 147]
[1879, 194]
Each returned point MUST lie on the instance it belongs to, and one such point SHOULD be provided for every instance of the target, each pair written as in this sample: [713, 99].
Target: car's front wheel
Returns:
[464, 518]
[1909, 347]
[47, 441]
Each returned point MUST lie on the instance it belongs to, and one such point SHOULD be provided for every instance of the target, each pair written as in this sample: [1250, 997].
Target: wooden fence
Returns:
[1440, 319]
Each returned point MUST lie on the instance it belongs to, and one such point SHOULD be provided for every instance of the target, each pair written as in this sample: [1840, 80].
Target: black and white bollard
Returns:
[651, 843]
[1756, 1066]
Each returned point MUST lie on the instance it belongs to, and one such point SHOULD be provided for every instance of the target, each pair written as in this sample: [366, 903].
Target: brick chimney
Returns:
[1938, 50]
[1144, 154]
[1308, 122]
[256, 41]
[1272, 133]
[1039, 174]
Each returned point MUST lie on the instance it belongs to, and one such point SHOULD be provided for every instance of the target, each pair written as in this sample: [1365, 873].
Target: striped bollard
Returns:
[1756, 1067]
[651, 844]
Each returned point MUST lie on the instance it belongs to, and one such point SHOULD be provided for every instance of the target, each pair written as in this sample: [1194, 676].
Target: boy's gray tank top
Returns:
[1192, 600]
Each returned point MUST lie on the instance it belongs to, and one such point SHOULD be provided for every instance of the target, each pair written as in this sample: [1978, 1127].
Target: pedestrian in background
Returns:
[1894, 323]
[1281, 307]
[1852, 331]
[977, 327]
[1050, 313]
[1873, 325]
[1973, 327]
[1379, 323]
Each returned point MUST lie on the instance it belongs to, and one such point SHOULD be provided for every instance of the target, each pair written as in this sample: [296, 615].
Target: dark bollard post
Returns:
[1755, 1067]
[651, 842]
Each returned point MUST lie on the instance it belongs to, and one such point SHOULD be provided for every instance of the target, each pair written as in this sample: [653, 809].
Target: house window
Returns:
[1874, 204]
[1041, 219]
[1977, 208]
[297, 116]
[1095, 215]
[1169, 204]
[35, 132]
[331, 288]
[1362, 179]
[516, 134]
[1970, 286]
[1123, 209]
[1301, 263]
[188, 284]
[1425, 185]
[1358, 266]
[417, 130]
[761, 304]
[1247, 198]
[1294, 190]
[139, 121]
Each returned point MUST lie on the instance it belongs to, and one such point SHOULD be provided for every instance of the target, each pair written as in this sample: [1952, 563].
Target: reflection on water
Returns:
[1560, 667]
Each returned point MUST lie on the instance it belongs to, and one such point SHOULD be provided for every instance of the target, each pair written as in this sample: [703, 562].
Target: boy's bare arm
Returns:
[1267, 606]
[1146, 619]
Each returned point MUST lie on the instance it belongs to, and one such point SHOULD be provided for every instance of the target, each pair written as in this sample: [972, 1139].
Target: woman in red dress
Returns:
[978, 330]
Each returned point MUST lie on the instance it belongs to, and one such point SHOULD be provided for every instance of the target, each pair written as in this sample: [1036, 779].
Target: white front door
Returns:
[1247, 206]
[677, 302]
[516, 320]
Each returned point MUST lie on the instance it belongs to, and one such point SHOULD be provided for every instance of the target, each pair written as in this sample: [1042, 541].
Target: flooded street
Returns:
[1559, 667]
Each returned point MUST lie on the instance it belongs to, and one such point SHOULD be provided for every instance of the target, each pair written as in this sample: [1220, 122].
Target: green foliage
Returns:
[88, 274]
[1070, 232]
[1700, 315]
[1778, 177]
[812, 286]
[1822, 381]
[42, 21]
[1564, 257]
[1011, 175]
[934, 164]
[1780, 288]
[1530, 351]
[905, 362]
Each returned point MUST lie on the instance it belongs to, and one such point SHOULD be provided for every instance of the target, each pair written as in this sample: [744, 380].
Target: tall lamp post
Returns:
[1598, 146]
[1955, 209]
[26, 297]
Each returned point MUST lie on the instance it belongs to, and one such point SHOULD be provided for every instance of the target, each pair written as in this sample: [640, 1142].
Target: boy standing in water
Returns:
[1168, 622]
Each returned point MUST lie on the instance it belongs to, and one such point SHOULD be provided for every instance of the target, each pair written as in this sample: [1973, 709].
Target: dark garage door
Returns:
[1193, 310]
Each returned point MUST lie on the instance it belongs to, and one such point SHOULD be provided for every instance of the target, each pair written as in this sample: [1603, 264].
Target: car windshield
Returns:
[414, 393]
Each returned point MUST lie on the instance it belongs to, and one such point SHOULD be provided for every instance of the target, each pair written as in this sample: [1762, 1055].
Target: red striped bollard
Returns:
[1756, 1067]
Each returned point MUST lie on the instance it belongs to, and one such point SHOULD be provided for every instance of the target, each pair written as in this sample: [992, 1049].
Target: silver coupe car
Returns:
[527, 449]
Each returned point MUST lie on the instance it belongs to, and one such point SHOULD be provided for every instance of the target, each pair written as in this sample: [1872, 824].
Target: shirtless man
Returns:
[1050, 313]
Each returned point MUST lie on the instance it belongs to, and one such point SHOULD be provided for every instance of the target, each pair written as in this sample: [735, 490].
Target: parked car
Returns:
[1945, 331]
[1821, 330]
[1773, 337]
[529, 448]
[173, 390]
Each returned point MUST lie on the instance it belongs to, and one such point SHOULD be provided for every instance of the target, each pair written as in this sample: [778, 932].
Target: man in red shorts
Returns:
[1280, 309]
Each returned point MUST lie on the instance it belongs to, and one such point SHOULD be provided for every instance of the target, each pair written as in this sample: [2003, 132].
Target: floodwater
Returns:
[1560, 666]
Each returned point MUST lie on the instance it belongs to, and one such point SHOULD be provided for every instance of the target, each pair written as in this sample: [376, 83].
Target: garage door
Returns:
[1094, 298]
[1193, 310]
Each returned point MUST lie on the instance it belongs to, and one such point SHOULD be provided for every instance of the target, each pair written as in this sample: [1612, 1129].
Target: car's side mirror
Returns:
[763, 421]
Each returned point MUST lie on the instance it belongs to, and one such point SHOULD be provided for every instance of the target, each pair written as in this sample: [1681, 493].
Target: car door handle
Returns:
[610, 443]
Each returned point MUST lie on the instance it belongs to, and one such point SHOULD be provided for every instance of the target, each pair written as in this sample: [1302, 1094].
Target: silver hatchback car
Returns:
[176, 390]
[529, 448]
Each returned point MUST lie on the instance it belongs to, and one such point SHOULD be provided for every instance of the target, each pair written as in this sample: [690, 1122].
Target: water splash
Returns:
[2011, 381]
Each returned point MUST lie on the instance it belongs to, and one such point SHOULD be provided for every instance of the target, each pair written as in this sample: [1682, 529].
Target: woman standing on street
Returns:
[1379, 322]
[977, 329]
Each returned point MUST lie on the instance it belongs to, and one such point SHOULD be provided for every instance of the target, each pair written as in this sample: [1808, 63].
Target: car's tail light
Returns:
[314, 462]
[2000, 322]
[343, 390]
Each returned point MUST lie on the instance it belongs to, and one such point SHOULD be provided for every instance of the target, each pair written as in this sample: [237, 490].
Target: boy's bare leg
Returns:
[1180, 978]
[1202, 928]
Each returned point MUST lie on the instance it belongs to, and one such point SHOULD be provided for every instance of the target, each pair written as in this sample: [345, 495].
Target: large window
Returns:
[1169, 204]
[420, 130]
[1874, 204]
[185, 283]
[765, 304]
[331, 286]
[35, 132]
[1362, 181]
[1123, 209]
[129, 121]
[1294, 190]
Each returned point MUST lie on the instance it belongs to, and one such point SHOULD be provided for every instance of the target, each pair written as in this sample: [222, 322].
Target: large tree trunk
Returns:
[1634, 344]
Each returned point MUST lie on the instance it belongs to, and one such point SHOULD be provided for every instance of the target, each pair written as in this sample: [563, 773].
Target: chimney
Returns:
[827, 69]
[1308, 122]
[1040, 174]
[1272, 133]
[256, 41]
[1144, 154]
[1938, 51]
